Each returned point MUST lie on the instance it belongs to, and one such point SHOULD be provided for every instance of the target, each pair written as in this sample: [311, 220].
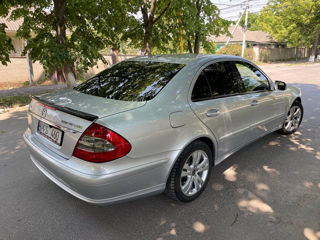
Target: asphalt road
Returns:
[268, 190]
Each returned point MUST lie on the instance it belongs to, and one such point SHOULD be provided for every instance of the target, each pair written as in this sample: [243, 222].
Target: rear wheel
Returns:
[191, 172]
[293, 119]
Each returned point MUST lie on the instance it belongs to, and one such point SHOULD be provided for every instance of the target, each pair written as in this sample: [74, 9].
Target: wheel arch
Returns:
[297, 99]
[210, 144]
[207, 140]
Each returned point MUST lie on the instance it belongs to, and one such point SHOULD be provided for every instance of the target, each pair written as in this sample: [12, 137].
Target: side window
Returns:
[253, 80]
[201, 89]
[223, 78]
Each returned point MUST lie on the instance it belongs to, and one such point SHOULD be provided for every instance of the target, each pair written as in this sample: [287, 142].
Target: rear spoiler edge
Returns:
[70, 111]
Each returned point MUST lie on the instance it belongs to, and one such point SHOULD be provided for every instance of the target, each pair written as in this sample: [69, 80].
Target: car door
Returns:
[217, 101]
[266, 106]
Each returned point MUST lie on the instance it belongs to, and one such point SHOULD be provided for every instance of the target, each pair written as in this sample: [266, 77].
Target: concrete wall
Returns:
[17, 70]
[279, 54]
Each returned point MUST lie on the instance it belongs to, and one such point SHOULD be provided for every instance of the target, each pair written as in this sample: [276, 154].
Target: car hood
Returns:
[98, 106]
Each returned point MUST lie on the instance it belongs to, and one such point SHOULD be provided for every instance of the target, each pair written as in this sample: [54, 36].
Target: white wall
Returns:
[17, 70]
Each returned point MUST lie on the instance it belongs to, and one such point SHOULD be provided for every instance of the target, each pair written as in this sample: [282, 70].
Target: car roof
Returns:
[184, 58]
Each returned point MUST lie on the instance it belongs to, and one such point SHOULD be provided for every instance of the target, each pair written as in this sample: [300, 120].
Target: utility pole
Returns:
[245, 29]
[30, 67]
[180, 33]
[180, 41]
[235, 27]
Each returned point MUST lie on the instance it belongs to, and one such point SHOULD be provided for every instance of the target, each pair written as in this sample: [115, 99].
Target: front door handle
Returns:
[254, 103]
[213, 113]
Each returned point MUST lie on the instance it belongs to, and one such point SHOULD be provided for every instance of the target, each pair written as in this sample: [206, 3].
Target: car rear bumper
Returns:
[134, 182]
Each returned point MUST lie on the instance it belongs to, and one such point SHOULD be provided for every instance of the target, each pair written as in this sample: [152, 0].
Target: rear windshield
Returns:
[131, 81]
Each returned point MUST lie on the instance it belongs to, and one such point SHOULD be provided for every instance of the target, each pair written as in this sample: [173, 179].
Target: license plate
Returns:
[53, 134]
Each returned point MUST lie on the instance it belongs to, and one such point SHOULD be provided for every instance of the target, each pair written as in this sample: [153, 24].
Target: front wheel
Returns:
[293, 119]
[191, 172]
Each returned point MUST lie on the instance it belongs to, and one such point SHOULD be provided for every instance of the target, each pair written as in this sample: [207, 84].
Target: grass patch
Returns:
[14, 101]
[18, 101]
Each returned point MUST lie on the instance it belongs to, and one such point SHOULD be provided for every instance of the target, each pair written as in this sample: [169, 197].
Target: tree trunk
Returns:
[60, 77]
[196, 39]
[148, 24]
[66, 73]
[313, 54]
[30, 66]
[69, 75]
[148, 21]
[147, 37]
[196, 43]
[189, 46]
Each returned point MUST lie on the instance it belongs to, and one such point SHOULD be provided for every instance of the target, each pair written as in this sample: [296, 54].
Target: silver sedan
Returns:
[155, 124]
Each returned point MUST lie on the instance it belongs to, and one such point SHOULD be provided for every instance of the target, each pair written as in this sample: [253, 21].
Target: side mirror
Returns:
[281, 85]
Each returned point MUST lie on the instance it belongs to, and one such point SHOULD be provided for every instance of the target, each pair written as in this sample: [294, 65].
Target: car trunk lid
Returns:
[69, 113]
[89, 104]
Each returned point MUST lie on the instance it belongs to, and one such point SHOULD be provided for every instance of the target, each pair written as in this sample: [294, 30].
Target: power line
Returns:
[250, 6]
[236, 16]
[233, 6]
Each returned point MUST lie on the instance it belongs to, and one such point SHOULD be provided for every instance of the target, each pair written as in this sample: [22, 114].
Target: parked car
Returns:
[155, 124]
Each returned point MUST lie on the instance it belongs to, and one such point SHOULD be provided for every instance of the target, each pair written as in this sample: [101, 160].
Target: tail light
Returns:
[100, 144]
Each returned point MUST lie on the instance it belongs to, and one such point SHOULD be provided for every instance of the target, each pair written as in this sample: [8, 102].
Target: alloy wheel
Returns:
[194, 173]
[293, 119]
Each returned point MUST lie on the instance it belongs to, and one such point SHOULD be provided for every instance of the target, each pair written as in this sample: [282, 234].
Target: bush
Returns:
[235, 50]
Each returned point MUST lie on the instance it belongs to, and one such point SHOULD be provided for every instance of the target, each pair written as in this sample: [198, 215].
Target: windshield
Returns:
[131, 81]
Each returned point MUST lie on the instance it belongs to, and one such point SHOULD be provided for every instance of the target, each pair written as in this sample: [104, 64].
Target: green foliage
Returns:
[198, 20]
[94, 25]
[136, 24]
[253, 23]
[181, 16]
[209, 47]
[292, 21]
[91, 25]
[5, 42]
[235, 50]
[6, 45]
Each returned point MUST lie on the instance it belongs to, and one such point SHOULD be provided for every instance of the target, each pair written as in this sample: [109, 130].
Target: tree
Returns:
[253, 23]
[5, 41]
[6, 45]
[160, 22]
[145, 31]
[61, 33]
[296, 22]
[199, 19]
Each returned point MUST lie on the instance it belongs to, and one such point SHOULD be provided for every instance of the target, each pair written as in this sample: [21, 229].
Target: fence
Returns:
[279, 54]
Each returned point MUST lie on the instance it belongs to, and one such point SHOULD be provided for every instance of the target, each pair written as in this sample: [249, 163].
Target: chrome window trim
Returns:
[231, 95]
[271, 85]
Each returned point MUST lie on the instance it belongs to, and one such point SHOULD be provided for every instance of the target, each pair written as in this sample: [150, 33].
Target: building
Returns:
[253, 38]
[11, 30]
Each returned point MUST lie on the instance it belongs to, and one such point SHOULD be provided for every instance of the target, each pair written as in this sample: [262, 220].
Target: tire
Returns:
[188, 187]
[294, 119]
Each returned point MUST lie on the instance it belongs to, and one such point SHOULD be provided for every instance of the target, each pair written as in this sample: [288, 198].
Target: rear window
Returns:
[131, 81]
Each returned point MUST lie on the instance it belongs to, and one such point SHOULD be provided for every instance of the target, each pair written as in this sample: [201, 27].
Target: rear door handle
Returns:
[254, 103]
[213, 113]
